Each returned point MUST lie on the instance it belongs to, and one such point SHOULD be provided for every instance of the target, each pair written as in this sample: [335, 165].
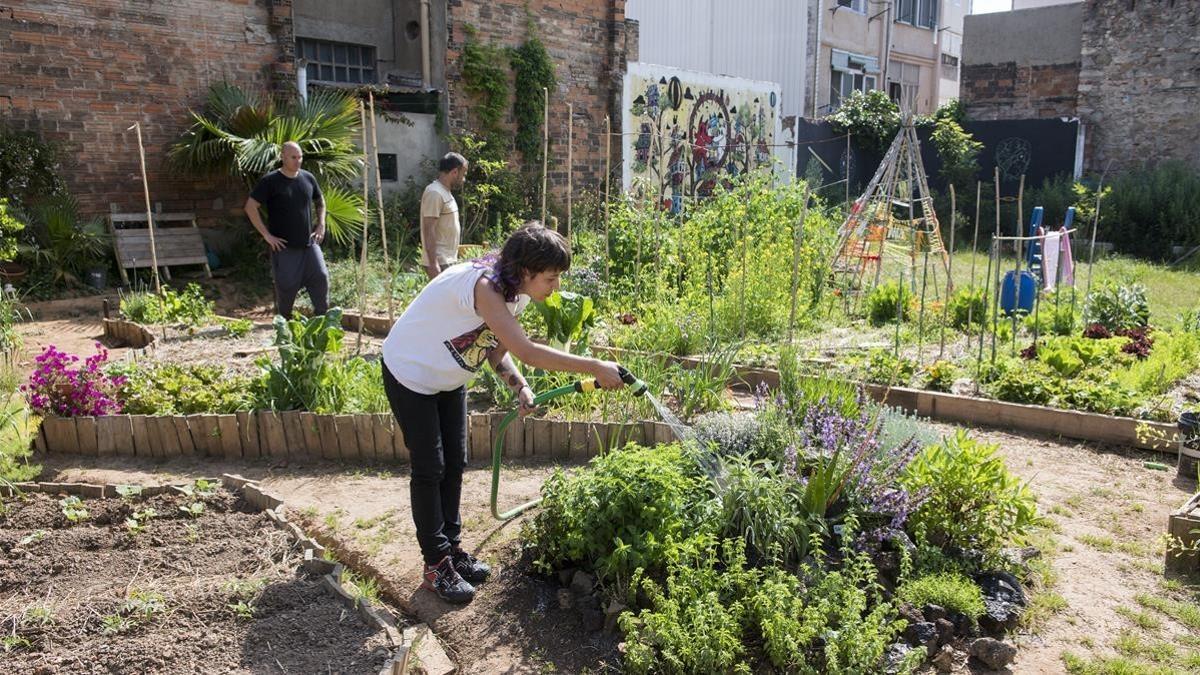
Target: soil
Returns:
[89, 597]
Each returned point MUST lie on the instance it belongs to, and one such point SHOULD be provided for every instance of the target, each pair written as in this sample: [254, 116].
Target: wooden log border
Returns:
[129, 333]
[348, 439]
[1002, 415]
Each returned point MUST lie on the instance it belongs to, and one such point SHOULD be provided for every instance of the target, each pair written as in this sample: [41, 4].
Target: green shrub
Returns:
[1149, 209]
[10, 224]
[1057, 314]
[1117, 307]
[765, 510]
[967, 309]
[1173, 357]
[885, 300]
[1030, 384]
[182, 389]
[973, 501]
[883, 367]
[952, 591]
[800, 390]
[940, 375]
[188, 307]
[632, 508]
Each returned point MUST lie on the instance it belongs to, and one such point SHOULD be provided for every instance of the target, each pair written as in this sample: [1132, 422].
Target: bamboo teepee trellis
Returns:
[894, 218]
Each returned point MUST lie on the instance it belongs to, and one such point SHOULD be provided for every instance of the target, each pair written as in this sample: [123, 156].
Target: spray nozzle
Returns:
[627, 377]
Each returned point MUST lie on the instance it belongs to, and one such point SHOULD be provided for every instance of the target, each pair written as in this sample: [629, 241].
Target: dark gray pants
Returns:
[296, 268]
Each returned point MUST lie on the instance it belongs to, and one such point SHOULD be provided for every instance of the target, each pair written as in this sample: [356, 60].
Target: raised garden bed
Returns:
[176, 578]
[308, 436]
[1183, 529]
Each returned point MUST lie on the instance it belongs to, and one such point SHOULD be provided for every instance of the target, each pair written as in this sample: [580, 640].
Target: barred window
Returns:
[337, 61]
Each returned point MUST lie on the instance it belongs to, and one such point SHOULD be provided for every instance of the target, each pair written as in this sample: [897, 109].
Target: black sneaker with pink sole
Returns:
[445, 581]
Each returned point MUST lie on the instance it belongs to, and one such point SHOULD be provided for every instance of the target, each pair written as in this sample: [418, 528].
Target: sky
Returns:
[986, 6]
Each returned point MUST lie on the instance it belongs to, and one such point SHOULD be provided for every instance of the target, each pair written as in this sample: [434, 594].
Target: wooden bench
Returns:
[181, 245]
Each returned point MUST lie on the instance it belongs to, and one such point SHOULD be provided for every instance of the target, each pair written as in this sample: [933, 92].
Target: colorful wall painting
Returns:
[686, 133]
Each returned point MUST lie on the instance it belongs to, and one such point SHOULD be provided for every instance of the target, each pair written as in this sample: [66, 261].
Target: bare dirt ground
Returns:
[218, 592]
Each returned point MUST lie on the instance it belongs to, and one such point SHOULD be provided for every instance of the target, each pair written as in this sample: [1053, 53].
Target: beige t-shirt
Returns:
[437, 202]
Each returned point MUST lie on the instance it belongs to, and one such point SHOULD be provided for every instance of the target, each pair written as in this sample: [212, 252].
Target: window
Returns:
[337, 62]
[904, 81]
[859, 6]
[849, 73]
[949, 67]
[387, 167]
[921, 13]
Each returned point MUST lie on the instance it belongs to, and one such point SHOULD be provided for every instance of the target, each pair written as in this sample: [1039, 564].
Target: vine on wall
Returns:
[534, 71]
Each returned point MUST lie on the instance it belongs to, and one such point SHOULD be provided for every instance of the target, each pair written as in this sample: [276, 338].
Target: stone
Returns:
[911, 614]
[566, 599]
[592, 619]
[565, 576]
[944, 659]
[894, 657]
[945, 629]
[1003, 601]
[933, 612]
[582, 583]
[993, 653]
[614, 611]
[923, 634]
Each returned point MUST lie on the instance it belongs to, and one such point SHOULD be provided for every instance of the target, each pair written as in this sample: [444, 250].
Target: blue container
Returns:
[1011, 299]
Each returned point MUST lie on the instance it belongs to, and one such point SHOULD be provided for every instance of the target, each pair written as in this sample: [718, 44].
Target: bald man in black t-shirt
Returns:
[289, 193]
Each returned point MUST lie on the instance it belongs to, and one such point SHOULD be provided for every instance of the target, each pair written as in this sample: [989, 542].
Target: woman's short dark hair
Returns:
[450, 162]
[531, 249]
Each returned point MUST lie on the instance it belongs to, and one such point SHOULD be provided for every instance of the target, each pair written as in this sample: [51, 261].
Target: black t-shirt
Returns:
[289, 202]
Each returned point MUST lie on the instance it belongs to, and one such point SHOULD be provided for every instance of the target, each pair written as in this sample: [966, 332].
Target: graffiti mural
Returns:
[688, 133]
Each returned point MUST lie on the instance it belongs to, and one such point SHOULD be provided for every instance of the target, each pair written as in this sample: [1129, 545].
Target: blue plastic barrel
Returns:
[1011, 299]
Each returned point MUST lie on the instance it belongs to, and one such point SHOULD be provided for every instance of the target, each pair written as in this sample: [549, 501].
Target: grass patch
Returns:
[1139, 618]
[1100, 543]
[952, 591]
[1186, 613]
[1041, 607]
[1113, 666]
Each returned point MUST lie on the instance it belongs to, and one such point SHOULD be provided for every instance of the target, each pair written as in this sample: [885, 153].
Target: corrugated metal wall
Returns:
[754, 39]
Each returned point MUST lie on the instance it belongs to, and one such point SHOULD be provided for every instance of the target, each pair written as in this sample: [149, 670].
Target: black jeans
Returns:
[435, 431]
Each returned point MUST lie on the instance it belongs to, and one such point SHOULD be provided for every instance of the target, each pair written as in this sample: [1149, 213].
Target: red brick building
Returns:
[80, 73]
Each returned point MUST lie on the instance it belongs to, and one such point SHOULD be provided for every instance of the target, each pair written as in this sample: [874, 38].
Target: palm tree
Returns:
[241, 134]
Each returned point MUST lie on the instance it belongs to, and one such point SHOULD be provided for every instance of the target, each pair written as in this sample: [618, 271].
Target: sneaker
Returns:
[469, 567]
[446, 583]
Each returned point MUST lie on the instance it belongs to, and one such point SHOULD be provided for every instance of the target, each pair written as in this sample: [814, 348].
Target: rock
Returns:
[894, 656]
[566, 599]
[1003, 601]
[944, 659]
[963, 625]
[615, 609]
[593, 619]
[582, 583]
[945, 629]
[564, 576]
[588, 602]
[923, 634]
[993, 653]
[933, 612]
[911, 614]
[888, 563]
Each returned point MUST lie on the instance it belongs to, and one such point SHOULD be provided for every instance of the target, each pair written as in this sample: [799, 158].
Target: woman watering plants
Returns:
[464, 317]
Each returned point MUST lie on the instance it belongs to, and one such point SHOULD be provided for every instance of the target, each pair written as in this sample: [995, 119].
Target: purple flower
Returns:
[57, 388]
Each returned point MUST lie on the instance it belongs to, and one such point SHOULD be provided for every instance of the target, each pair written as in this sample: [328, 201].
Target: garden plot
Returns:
[167, 583]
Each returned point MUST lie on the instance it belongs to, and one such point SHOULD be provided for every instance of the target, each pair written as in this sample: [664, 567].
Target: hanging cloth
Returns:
[1067, 262]
[1050, 259]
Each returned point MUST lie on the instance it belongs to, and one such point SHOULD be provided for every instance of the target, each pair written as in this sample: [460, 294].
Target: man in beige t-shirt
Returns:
[440, 231]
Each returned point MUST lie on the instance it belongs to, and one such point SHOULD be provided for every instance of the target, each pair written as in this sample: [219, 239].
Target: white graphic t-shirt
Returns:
[439, 341]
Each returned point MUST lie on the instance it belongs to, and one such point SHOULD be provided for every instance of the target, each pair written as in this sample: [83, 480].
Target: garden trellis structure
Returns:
[894, 218]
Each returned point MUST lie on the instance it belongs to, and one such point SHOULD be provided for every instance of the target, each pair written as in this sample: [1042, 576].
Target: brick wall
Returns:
[587, 41]
[1010, 91]
[81, 73]
[1139, 82]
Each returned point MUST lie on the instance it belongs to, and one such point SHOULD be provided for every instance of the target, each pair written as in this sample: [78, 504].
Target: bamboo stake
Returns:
[362, 263]
[545, 146]
[847, 173]
[570, 167]
[987, 282]
[137, 126]
[950, 275]
[607, 177]
[1018, 247]
[796, 243]
[996, 255]
[387, 270]
[975, 238]
[1095, 226]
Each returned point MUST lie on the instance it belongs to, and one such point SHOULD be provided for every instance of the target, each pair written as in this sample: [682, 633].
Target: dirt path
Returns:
[1108, 514]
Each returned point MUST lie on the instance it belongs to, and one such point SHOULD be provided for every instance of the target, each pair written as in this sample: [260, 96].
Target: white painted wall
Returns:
[750, 39]
[411, 145]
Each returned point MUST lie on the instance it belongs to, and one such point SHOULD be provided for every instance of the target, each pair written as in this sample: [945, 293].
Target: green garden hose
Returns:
[576, 387]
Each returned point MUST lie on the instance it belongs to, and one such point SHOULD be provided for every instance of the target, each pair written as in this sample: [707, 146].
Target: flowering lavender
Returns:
[869, 471]
[57, 387]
